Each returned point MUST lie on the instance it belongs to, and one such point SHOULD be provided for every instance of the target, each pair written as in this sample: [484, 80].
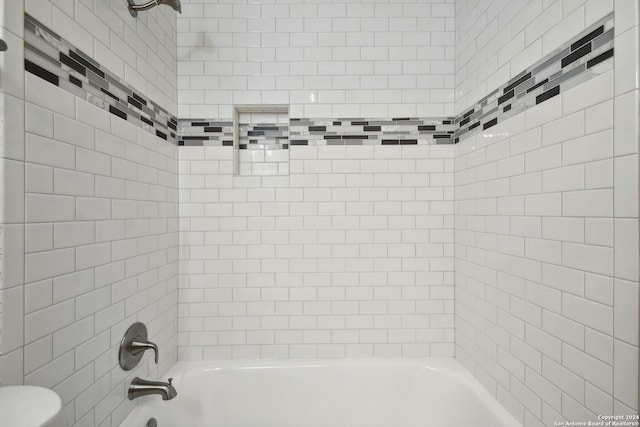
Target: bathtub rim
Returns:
[449, 366]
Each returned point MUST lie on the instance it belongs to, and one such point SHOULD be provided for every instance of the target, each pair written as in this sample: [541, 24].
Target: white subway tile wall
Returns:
[91, 242]
[11, 189]
[101, 251]
[326, 59]
[547, 222]
[351, 255]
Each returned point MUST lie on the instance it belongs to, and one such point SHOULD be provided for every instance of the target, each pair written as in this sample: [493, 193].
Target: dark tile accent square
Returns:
[548, 94]
[72, 64]
[114, 110]
[517, 82]
[75, 81]
[507, 96]
[86, 63]
[537, 85]
[592, 35]
[598, 59]
[139, 98]
[103, 90]
[573, 57]
[41, 72]
[134, 102]
[147, 121]
[490, 123]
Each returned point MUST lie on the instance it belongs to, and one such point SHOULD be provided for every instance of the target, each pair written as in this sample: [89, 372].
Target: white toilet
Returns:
[30, 406]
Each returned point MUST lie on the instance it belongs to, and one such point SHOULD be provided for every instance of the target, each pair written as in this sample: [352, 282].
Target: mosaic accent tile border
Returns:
[202, 132]
[52, 58]
[343, 131]
[359, 131]
[576, 62]
[263, 136]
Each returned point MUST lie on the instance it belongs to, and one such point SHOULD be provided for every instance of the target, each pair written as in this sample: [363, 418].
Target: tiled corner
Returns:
[53, 59]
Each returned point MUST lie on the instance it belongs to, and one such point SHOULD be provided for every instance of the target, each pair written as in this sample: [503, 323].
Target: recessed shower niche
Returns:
[261, 140]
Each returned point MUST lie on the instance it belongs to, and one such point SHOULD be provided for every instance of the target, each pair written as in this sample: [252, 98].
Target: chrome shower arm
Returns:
[135, 8]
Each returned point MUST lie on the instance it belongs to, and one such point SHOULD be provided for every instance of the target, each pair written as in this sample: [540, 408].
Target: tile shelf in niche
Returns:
[261, 140]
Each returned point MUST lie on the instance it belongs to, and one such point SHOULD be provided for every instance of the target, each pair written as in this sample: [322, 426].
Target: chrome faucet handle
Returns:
[142, 346]
[133, 345]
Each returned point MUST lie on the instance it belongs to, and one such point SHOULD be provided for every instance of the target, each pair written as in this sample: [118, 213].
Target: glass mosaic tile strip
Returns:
[582, 58]
[341, 131]
[205, 132]
[263, 136]
[52, 58]
[361, 131]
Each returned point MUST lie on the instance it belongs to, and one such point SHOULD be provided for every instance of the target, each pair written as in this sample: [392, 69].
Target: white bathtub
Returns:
[353, 393]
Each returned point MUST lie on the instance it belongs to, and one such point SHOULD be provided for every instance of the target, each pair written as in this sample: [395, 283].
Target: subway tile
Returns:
[42, 265]
[49, 152]
[625, 367]
[588, 203]
[600, 316]
[563, 378]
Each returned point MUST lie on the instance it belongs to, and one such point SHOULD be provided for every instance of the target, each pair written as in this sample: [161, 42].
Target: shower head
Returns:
[135, 8]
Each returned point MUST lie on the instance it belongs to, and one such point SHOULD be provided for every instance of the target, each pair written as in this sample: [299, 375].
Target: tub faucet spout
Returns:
[140, 387]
